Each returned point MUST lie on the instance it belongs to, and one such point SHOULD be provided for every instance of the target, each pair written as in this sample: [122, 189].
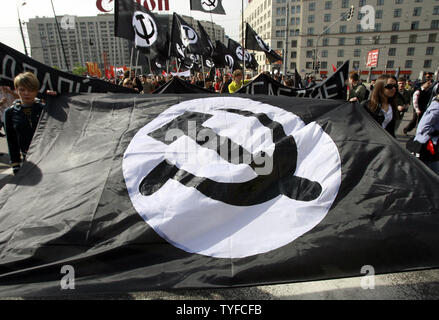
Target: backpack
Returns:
[366, 97]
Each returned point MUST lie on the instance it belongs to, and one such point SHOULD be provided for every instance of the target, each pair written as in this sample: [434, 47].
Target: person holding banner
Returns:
[237, 82]
[21, 119]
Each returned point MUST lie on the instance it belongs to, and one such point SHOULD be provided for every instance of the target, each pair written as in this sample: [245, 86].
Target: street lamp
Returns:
[21, 27]
[349, 18]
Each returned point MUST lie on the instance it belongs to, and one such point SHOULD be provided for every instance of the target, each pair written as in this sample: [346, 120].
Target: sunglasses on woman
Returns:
[391, 86]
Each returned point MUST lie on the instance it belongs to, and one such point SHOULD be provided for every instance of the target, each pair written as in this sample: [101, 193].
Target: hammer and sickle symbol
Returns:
[262, 188]
[146, 36]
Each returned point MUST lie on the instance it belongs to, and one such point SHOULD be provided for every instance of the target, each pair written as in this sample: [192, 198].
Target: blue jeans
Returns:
[433, 165]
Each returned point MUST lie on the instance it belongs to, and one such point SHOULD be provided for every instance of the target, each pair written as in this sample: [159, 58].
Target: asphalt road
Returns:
[416, 285]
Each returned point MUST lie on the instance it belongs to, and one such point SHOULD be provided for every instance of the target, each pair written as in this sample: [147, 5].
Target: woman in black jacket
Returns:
[381, 105]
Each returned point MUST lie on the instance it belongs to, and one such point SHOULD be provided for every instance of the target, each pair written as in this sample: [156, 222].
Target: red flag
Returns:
[334, 68]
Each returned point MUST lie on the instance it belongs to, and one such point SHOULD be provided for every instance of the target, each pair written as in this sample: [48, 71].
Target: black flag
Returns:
[223, 57]
[133, 22]
[184, 39]
[139, 192]
[254, 42]
[236, 49]
[205, 41]
[208, 6]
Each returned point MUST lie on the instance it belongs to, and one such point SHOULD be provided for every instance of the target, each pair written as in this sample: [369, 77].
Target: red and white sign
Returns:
[150, 5]
[372, 59]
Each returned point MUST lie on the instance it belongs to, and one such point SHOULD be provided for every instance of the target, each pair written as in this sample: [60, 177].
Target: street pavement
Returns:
[414, 285]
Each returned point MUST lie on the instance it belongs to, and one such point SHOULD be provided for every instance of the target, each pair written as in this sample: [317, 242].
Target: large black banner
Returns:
[332, 88]
[176, 85]
[124, 193]
[13, 63]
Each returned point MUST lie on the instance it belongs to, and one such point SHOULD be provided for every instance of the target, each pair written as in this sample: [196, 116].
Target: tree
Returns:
[79, 70]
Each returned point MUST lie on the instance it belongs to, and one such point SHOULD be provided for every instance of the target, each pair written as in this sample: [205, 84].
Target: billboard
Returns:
[372, 59]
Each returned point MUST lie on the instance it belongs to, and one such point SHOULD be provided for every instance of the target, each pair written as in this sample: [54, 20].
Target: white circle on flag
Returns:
[209, 5]
[196, 223]
[188, 35]
[145, 29]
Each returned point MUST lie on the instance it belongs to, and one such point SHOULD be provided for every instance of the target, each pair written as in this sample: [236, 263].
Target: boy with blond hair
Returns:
[21, 119]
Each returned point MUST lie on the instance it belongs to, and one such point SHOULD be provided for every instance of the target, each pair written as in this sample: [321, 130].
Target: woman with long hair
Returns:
[381, 105]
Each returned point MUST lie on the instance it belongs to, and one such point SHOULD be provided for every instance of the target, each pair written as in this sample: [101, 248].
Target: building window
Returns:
[344, 4]
[355, 65]
[309, 42]
[293, 54]
[343, 29]
[429, 51]
[327, 18]
[309, 53]
[395, 26]
[324, 53]
[412, 38]
[309, 65]
[394, 39]
[341, 41]
[409, 64]
[328, 5]
[410, 51]
[280, 44]
[359, 28]
[377, 26]
[325, 42]
[417, 11]
[435, 24]
[293, 65]
[415, 25]
[390, 64]
[312, 6]
[357, 53]
[432, 37]
[379, 14]
[392, 52]
[293, 43]
[311, 30]
[339, 63]
[436, 10]
[399, 1]
[311, 19]
[323, 65]
[427, 64]
[358, 40]
[340, 53]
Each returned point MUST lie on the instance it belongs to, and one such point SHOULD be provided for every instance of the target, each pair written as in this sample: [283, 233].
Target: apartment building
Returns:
[405, 33]
[92, 39]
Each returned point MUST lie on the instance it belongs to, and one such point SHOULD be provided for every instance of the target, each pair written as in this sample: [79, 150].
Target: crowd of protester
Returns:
[386, 100]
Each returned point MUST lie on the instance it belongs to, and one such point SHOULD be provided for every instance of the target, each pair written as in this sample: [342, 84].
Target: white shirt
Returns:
[388, 116]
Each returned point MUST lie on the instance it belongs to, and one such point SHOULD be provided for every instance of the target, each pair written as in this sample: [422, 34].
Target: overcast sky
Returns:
[10, 32]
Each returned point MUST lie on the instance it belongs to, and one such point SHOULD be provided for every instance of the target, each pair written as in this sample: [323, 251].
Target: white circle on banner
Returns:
[196, 223]
[209, 5]
[145, 29]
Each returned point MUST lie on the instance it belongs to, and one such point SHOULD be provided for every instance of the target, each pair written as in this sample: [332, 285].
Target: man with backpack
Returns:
[357, 91]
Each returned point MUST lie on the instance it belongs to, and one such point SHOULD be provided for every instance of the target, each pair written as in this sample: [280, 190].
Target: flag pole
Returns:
[242, 38]
[131, 58]
[137, 63]
[60, 39]
[202, 68]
